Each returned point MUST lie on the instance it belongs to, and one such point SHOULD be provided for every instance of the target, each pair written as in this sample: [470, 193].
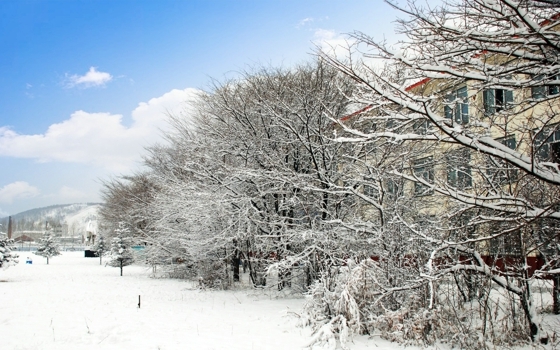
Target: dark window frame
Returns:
[542, 91]
[497, 100]
[506, 245]
[499, 170]
[459, 170]
[456, 107]
[423, 168]
[546, 144]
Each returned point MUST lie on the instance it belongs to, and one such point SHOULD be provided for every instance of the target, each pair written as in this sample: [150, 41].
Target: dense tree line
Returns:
[409, 196]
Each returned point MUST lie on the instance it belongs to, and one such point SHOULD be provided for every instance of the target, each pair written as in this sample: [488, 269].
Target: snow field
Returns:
[74, 303]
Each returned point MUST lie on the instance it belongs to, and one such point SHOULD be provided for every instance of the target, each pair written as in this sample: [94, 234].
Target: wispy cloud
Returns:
[93, 78]
[309, 21]
[100, 139]
[17, 190]
[331, 42]
[305, 22]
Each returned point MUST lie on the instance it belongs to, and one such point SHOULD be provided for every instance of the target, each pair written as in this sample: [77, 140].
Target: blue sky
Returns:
[85, 84]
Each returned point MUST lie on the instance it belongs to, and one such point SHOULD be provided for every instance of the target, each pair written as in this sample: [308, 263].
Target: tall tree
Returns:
[475, 87]
[261, 150]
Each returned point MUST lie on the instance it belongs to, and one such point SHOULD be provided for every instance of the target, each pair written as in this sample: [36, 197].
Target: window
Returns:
[542, 91]
[394, 188]
[459, 169]
[420, 127]
[423, 169]
[508, 244]
[496, 100]
[547, 144]
[499, 170]
[547, 236]
[462, 226]
[509, 142]
[369, 190]
[457, 106]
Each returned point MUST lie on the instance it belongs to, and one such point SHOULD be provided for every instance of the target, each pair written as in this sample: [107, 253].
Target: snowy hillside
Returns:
[83, 220]
[67, 219]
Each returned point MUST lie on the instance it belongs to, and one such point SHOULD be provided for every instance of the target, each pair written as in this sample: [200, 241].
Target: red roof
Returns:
[421, 82]
[366, 108]
[548, 21]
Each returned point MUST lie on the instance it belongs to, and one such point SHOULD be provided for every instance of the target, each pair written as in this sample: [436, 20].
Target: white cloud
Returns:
[99, 139]
[332, 43]
[92, 78]
[18, 189]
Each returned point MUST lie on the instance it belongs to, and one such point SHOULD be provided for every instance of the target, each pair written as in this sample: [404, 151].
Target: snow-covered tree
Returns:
[48, 247]
[7, 256]
[256, 175]
[470, 101]
[101, 248]
[127, 199]
[121, 251]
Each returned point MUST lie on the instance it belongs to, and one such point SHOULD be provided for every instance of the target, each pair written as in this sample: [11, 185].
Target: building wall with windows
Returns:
[512, 117]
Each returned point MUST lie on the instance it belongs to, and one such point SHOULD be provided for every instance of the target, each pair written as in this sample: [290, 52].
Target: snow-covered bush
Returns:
[7, 256]
[48, 247]
[212, 274]
[357, 298]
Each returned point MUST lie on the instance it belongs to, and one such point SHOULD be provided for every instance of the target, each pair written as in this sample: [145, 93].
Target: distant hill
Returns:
[63, 219]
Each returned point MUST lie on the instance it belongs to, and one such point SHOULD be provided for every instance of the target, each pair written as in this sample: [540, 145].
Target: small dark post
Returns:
[138, 301]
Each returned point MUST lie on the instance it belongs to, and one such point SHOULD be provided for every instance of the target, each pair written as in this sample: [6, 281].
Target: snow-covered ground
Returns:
[74, 303]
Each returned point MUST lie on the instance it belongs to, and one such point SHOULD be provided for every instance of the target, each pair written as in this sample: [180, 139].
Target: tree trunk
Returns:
[236, 262]
[100, 262]
[526, 304]
[556, 294]
[47, 260]
[526, 297]
[121, 267]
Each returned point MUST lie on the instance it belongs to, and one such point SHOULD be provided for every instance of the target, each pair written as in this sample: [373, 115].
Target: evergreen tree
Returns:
[100, 248]
[7, 257]
[121, 251]
[48, 248]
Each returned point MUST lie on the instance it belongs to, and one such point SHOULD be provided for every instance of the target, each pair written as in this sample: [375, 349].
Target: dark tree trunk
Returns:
[121, 267]
[556, 295]
[236, 261]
